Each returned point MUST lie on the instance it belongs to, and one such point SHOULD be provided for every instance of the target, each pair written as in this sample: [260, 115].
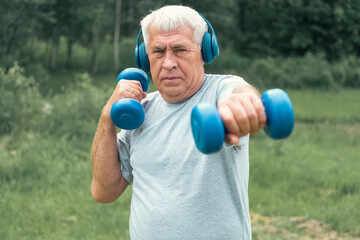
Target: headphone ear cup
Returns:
[137, 59]
[206, 50]
[143, 58]
[214, 46]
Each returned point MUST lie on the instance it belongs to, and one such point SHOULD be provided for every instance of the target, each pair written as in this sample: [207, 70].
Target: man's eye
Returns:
[180, 50]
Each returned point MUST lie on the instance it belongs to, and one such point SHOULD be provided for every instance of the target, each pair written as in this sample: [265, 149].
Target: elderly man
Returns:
[178, 192]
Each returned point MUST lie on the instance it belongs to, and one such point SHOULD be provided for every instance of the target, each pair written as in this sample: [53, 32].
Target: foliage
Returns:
[307, 72]
[18, 20]
[71, 114]
[276, 28]
[310, 71]
[126, 57]
[20, 101]
[286, 27]
[228, 62]
[347, 71]
[68, 115]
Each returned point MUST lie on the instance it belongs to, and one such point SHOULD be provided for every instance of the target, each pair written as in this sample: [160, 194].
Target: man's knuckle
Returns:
[252, 115]
[227, 119]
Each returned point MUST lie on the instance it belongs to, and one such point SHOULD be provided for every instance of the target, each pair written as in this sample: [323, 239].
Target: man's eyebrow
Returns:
[176, 46]
[158, 48]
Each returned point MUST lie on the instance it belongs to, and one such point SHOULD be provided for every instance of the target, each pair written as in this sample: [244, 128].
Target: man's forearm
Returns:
[107, 182]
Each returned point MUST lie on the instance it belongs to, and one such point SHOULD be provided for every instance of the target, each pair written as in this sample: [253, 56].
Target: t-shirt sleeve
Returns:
[124, 155]
[227, 86]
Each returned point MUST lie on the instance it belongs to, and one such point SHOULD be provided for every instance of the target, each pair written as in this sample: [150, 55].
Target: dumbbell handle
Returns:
[209, 131]
[128, 113]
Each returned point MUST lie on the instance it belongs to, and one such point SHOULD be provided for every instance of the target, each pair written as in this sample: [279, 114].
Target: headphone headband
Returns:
[209, 25]
[209, 48]
[138, 37]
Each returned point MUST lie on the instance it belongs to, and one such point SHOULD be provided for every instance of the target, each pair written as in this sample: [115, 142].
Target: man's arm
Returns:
[107, 181]
[242, 113]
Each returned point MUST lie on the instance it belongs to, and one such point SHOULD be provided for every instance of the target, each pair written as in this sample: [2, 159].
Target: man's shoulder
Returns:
[221, 77]
[219, 81]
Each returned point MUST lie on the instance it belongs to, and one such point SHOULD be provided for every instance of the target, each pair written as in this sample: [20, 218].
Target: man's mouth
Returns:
[171, 79]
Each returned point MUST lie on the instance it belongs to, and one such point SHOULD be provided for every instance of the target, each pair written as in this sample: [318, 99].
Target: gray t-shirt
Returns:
[177, 191]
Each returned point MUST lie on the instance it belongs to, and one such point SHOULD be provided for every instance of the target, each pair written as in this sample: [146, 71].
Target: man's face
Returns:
[176, 64]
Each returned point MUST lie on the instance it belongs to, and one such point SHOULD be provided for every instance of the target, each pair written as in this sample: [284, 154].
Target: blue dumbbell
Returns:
[209, 132]
[128, 113]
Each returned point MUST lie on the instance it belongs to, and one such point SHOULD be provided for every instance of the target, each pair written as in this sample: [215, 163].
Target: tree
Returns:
[17, 23]
[117, 35]
[295, 27]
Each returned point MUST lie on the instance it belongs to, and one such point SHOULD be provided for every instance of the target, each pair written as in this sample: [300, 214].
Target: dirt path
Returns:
[295, 228]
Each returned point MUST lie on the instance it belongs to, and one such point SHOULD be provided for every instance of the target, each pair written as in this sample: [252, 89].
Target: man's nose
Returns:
[169, 60]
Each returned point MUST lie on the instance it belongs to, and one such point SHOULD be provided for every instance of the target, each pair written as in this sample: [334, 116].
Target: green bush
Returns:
[310, 71]
[228, 62]
[270, 74]
[39, 72]
[126, 55]
[20, 101]
[67, 115]
[70, 115]
[347, 71]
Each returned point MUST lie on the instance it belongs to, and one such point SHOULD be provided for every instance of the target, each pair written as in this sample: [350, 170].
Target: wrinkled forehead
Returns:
[183, 32]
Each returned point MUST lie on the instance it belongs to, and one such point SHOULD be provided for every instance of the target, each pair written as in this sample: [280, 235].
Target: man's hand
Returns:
[126, 89]
[242, 113]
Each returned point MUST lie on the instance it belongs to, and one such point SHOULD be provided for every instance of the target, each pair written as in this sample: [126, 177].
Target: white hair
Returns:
[171, 17]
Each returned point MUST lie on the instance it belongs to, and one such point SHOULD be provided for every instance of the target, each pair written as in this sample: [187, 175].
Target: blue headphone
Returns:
[209, 49]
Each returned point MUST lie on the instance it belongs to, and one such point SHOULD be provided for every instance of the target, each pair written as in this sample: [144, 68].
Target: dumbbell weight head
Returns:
[135, 74]
[128, 113]
[280, 117]
[208, 129]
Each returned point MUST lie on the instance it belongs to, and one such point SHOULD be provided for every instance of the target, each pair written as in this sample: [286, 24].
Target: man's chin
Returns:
[172, 95]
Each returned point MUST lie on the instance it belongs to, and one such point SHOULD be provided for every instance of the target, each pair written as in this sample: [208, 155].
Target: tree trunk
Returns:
[95, 48]
[94, 62]
[131, 17]
[54, 44]
[53, 54]
[2, 54]
[69, 53]
[241, 16]
[117, 35]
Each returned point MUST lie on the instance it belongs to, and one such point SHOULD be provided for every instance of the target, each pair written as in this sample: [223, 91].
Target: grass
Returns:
[45, 179]
[314, 173]
[334, 106]
[45, 194]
